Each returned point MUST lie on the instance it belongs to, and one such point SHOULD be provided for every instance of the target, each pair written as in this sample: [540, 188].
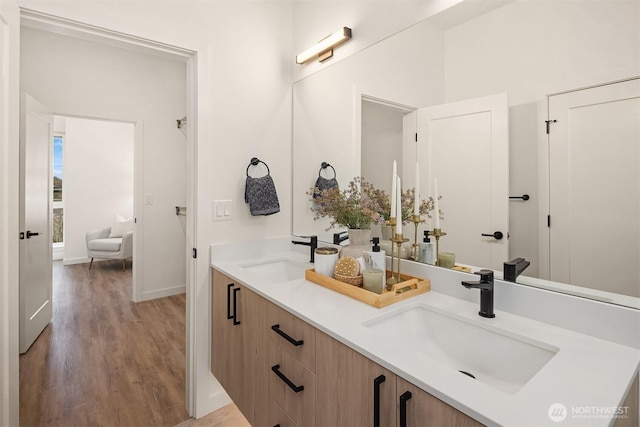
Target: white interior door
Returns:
[35, 220]
[465, 146]
[594, 188]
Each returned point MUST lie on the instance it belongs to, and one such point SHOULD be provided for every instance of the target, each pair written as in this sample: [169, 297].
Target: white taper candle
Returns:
[416, 199]
[436, 205]
[398, 206]
[394, 174]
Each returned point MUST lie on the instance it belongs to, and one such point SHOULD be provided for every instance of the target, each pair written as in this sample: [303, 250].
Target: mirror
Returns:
[442, 60]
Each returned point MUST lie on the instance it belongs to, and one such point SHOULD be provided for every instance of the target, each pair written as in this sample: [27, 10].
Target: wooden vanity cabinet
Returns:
[291, 367]
[347, 384]
[237, 317]
[416, 407]
[262, 354]
[346, 387]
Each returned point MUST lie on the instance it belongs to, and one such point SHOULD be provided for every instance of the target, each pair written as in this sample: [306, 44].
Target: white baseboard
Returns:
[72, 261]
[218, 399]
[58, 253]
[166, 292]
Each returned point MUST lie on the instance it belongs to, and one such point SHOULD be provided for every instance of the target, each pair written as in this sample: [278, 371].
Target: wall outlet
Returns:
[222, 210]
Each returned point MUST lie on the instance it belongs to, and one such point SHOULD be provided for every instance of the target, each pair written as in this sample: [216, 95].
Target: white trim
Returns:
[58, 251]
[166, 292]
[138, 208]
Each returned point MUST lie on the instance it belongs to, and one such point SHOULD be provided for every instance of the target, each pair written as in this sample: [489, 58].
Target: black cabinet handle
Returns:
[376, 399]
[287, 381]
[404, 397]
[277, 330]
[229, 286]
[235, 306]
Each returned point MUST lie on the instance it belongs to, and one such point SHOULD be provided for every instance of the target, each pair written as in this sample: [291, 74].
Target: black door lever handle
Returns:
[31, 234]
[497, 235]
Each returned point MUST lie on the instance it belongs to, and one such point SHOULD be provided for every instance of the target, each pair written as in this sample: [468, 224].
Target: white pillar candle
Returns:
[398, 206]
[416, 198]
[394, 174]
[436, 205]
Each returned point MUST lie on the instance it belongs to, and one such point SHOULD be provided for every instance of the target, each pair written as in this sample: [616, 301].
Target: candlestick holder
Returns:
[391, 222]
[398, 239]
[437, 233]
[414, 248]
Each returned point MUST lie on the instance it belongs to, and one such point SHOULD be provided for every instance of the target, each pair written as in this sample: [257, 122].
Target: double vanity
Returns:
[292, 353]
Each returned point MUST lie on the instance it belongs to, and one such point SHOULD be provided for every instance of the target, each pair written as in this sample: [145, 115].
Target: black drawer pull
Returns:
[404, 397]
[279, 331]
[376, 399]
[287, 381]
[229, 286]
[235, 306]
[277, 425]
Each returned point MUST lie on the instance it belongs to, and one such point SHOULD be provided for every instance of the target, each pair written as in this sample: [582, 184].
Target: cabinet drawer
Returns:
[294, 336]
[277, 416]
[292, 386]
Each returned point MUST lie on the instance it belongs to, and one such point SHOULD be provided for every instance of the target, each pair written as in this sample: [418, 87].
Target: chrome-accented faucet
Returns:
[485, 284]
[513, 268]
[312, 243]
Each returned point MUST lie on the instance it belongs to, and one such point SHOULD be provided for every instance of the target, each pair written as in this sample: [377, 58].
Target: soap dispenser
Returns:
[377, 258]
[427, 250]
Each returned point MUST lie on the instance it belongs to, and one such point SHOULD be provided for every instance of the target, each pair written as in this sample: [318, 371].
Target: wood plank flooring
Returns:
[103, 360]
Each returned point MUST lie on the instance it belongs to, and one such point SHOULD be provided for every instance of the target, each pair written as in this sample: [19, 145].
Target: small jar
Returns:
[325, 260]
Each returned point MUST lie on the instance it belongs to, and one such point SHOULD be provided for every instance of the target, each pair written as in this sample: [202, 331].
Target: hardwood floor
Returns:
[103, 360]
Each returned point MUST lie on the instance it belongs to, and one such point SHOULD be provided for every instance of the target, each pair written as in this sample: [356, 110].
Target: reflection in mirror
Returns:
[443, 60]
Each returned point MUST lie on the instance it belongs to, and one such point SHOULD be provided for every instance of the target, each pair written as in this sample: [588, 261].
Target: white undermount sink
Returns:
[497, 358]
[276, 270]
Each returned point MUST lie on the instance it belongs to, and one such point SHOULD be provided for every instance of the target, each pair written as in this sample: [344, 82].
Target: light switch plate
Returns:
[222, 210]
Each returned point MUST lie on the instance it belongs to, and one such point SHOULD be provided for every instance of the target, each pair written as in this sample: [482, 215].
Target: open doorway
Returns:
[97, 78]
[93, 169]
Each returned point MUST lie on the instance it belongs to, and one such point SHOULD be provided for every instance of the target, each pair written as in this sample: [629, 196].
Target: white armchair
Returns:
[100, 245]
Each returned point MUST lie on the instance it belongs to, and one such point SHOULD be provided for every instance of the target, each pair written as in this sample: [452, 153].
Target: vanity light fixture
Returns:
[324, 48]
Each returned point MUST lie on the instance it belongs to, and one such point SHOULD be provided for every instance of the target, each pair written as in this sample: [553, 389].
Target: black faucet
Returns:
[486, 292]
[312, 243]
[513, 268]
[340, 237]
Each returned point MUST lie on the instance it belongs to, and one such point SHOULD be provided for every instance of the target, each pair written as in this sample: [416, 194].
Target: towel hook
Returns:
[254, 162]
[325, 165]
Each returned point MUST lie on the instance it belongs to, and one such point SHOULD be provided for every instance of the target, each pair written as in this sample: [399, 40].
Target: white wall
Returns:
[243, 76]
[98, 180]
[88, 79]
[531, 49]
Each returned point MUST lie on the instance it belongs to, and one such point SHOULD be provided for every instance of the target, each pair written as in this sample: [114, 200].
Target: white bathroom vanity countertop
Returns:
[588, 376]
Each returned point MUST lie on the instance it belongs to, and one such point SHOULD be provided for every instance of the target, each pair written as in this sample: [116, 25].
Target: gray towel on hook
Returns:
[261, 195]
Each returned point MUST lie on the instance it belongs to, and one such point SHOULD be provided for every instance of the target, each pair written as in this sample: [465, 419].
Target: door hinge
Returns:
[135, 220]
[195, 253]
[548, 220]
[548, 123]
[416, 136]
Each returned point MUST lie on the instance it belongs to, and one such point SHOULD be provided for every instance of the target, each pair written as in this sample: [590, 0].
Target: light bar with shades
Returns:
[324, 48]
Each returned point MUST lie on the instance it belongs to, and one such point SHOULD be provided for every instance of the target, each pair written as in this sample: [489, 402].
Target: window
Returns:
[58, 204]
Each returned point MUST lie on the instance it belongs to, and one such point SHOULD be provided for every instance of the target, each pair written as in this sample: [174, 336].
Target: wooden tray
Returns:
[409, 287]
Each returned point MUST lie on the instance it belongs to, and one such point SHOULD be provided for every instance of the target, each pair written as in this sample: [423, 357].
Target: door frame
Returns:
[189, 57]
